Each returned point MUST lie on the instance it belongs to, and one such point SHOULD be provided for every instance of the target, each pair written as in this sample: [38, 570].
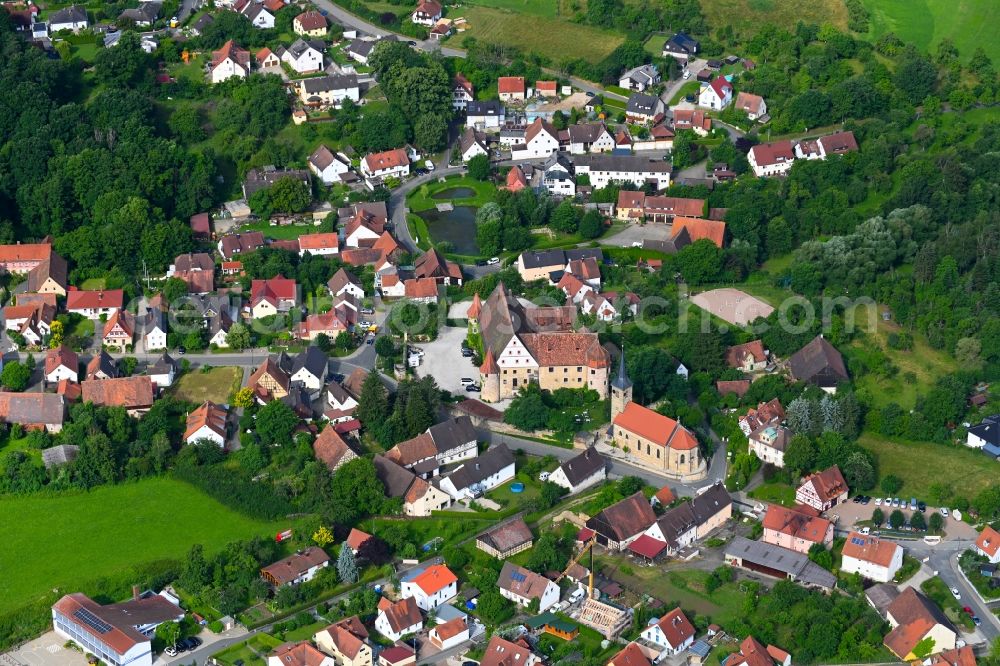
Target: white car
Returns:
[866, 530]
[944, 512]
[544, 476]
[687, 74]
[467, 380]
[493, 261]
[955, 593]
[637, 244]
[878, 501]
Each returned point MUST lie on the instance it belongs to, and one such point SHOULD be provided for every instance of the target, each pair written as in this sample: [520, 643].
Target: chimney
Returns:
[135, 592]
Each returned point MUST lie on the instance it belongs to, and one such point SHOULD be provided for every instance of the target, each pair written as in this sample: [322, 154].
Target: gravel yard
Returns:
[444, 362]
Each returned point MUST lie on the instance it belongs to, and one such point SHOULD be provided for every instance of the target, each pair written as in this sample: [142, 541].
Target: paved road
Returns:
[694, 67]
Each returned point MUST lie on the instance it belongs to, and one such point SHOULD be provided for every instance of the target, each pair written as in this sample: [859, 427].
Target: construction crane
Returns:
[589, 546]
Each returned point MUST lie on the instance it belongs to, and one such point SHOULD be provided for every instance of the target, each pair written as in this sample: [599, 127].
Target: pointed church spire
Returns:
[622, 381]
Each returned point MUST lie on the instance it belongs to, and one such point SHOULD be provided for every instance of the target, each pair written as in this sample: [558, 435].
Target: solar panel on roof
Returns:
[519, 577]
[857, 541]
[92, 621]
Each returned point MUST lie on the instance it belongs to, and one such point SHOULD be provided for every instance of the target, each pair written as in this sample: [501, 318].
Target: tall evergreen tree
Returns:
[347, 565]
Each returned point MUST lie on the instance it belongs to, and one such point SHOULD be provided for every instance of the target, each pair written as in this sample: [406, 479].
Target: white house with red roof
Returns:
[673, 632]
[717, 95]
[94, 304]
[988, 544]
[771, 159]
[540, 140]
[871, 557]
[388, 164]
[427, 13]
[462, 92]
[431, 587]
[511, 88]
[230, 61]
[270, 297]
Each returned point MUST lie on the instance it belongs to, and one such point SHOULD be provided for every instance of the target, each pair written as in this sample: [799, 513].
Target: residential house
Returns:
[557, 175]
[680, 46]
[346, 641]
[984, 434]
[871, 557]
[328, 91]
[462, 92]
[298, 654]
[432, 264]
[236, 244]
[309, 24]
[102, 366]
[988, 544]
[795, 529]
[635, 169]
[636, 206]
[431, 587]
[749, 357]
[471, 144]
[840, 143]
[634, 654]
[506, 539]
[771, 159]
[329, 167]
[768, 443]
[421, 290]
[360, 49]
[581, 471]
[770, 412]
[163, 371]
[265, 177]
[444, 443]
[753, 653]
[775, 561]
[511, 88]
[143, 16]
[753, 105]
[682, 525]
[427, 13]
[823, 490]
[695, 120]
[309, 369]
[31, 319]
[642, 108]
[672, 632]
[364, 229]
[118, 634]
[397, 619]
[271, 297]
[818, 363]
[963, 656]
[716, 95]
[590, 138]
[271, 380]
[22, 257]
[501, 652]
[199, 26]
[119, 331]
[388, 164]
[540, 140]
[420, 498]
[267, 59]
[33, 411]
[340, 404]
[657, 441]
[917, 620]
[62, 363]
[536, 345]
[326, 244]
[623, 522]
[228, 62]
[135, 394]
[547, 89]
[72, 18]
[475, 477]
[256, 12]
[48, 276]
[343, 283]
[485, 115]
[300, 567]
[640, 78]
[447, 635]
[523, 586]
[94, 304]
[303, 56]
[331, 449]
[207, 422]
[397, 655]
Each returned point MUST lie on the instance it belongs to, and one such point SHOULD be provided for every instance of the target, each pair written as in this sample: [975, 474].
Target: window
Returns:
[657, 454]
[682, 458]
[579, 368]
[551, 369]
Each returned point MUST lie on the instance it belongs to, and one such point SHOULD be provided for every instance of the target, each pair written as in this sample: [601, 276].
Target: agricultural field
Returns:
[965, 470]
[746, 16]
[68, 541]
[968, 23]
[214, 385]
[548, 35]
[546, 8]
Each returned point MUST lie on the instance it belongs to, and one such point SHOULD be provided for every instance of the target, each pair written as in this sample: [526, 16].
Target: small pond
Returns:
[457, 226]
[455, 193]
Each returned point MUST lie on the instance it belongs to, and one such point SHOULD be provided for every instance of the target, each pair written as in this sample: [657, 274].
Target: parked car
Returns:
[866, 530]
[473, 388]
[976, 621]
[544, 476]
[955, 593]
[687, 74]
[367, 311]
[913, 504]
[171, 651]
[967, 610]
[944, 512]
[922, 507]
[467, 380]
[878, 501]
[337, 377]
[493, 261]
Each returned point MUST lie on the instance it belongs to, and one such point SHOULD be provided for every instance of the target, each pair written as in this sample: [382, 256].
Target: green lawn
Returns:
[252, 652]
[66, 542]
[214, 385]
[965, 470]
[685, 588]
[555, 37]
[279, 232]
[775, 493]
[92, 284]
[747, 16]
[689, 88]
[654, 45]
[968, 23]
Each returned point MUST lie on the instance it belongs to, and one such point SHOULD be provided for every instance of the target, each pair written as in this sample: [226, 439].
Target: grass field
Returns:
[546, 8]
[214, 385]
[550, 36]
[686, 588]
[775, 493]
[964, 470]
[968, 23]
[251, 653]
[75, 539]
[654, 45]
[746, 16]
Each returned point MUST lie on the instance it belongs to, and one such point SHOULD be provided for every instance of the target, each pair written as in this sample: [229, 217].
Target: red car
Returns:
[968, 610]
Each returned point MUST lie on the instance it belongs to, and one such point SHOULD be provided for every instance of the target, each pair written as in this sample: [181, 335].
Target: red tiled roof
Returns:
[127, 392]
[870, 549]
[289, 568]
[796, 524]
[655, 427]
[420, 288]
[319, 241]
[737, 386]
[736, 353]
[109, 298]
[510, 84]
[311, 20]
[434, 579]
[516, 180]
[647, 546]
[749, 103]
[630, 199]
[697, 229]
[388, 159]
[828, 484]
[675, 626]
[357, 538]
[330, 448]
[631, 655]
[299, 654]
[25, 252]
[778, 152]
[231, 50]
[988, 541]
[209, 414]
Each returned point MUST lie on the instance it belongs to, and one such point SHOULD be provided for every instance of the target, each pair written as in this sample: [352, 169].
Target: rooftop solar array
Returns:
[92, 621]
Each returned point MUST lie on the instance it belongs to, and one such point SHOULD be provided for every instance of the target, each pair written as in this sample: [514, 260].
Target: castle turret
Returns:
[621, 389]
[489, 378]
[473, 313]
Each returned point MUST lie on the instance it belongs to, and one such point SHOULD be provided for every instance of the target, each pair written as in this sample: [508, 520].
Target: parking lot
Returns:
[444, 362]
[637, 233]
[850, 513]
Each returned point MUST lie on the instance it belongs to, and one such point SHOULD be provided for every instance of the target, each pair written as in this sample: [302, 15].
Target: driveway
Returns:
[444, 362]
